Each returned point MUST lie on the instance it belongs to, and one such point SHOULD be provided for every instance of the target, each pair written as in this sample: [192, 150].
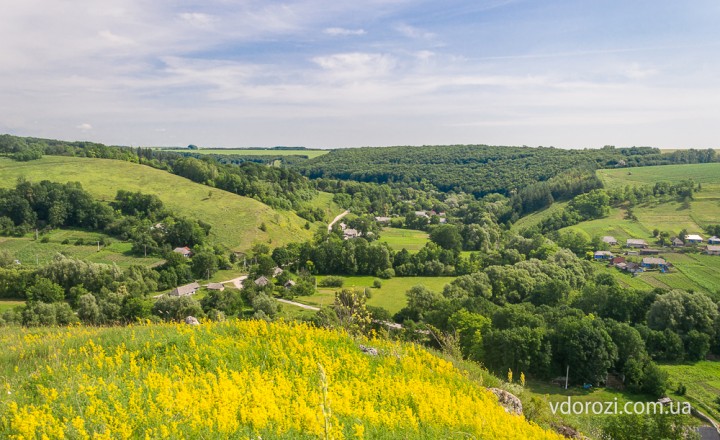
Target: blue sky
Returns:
[381, 72]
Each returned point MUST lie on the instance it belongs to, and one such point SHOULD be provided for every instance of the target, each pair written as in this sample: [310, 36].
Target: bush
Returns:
[79, 242]
[66, 241]
[377, 284]
[45, 239]
[681, 389]
[331, 282]
[387, 273]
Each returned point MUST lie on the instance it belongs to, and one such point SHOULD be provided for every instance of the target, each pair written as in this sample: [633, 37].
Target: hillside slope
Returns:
[237, 379]
[235, 220]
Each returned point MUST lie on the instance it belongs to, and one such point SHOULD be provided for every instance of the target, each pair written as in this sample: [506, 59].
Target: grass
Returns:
[391, 296]
[311, 154]
[235, 220]
[7, 304]
[708, 174]
[534, 218]
[702, 380]
[399, 239]
[31, 252]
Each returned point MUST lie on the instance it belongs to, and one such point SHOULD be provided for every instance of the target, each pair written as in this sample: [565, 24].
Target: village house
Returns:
[289, 284]
[184, 251]
[636, 243]
[610, 240]
[617, 260]
[712, 250]
[216, 286]
[382, 220]
[350, 233]
[186, 290]
[694, 239]
[262, 281]
[655, 263]
[633, 268]
[713, 240]
[676, 242]
[650, 251]
[603, 255]
[277, 272]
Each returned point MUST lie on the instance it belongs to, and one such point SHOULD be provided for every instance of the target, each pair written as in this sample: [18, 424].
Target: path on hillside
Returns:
[304, 306]
[337, 219]
[237, 282]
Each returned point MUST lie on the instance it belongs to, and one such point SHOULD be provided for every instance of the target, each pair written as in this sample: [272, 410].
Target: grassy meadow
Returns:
[238, 379]
[310, 154]
[31, 252]
[702, 380]
[235, 220]
[391, 296]
[399, 239]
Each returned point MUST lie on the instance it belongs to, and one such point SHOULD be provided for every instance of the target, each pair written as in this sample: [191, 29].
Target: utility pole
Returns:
[145, 247]
[98, 245]
[567, 376]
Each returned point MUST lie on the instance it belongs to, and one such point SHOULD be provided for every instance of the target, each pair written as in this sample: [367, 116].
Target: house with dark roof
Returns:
[186, 290]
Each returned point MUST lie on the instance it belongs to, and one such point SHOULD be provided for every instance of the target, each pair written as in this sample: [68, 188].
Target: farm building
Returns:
[636, 243]
[184, 251]
[382, 220]
[632, 267]
[350, 233]
[603, 255]
[713, 240]
[653, 263]
[216, 286]
[650, 251]
[186, 290]
[712, 250]
[289, 284]
[694, 239]
[676, 242]
[610, 240]
[262, 281]
[277, 272]
[617, 260]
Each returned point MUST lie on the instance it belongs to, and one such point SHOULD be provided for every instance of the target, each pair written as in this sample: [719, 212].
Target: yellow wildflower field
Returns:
[236, 379]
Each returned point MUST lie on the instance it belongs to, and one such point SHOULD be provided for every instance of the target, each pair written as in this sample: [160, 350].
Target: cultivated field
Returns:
[235, 220]
[702, 380]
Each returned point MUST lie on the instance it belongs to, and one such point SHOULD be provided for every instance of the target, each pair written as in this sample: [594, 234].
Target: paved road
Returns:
[337, 219]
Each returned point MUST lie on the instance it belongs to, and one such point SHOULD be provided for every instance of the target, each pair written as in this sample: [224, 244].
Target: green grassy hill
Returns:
[238, 379]
[235, 220]
[253, 152]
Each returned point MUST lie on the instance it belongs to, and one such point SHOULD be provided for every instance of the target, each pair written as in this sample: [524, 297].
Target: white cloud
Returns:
[343, 31]
[84, 127]
[197, 19]
[414, 32]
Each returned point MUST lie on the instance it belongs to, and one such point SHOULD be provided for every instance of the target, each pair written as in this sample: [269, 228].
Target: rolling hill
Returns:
[238, 379]
[235, 220]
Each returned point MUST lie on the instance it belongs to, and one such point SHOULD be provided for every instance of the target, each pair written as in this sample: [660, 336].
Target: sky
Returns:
[333, 74]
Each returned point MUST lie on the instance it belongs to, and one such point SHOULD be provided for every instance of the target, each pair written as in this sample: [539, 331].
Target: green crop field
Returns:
[399, 239]
[708, 174]
[254, 152]
[31, 252]
[235, 219]
[702, 380]
[391, 296]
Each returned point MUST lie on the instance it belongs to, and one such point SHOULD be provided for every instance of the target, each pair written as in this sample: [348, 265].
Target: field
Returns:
[708, 174]
[235, 220]
[703, 385]
[6, 304]
[31, 252]
[238, 379]
[399, 239]
[391, 296]
[254, 152]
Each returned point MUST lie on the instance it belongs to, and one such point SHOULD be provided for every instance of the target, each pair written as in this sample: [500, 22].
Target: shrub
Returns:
[331, 282]
[66, 241]
[387, 273]
[377, 284]
[45, 239]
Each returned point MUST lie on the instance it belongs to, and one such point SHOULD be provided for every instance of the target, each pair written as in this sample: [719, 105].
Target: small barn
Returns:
[186, 290]
[636, 243]
[262, 281]
[216, 286]
[612, 241]
[184, 251]
[712, 250]
[676, 242]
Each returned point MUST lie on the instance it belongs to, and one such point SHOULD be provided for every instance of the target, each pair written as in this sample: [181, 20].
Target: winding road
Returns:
[337, 219]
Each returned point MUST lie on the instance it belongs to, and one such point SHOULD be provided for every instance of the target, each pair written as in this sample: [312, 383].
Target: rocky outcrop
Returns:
[509, 401]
